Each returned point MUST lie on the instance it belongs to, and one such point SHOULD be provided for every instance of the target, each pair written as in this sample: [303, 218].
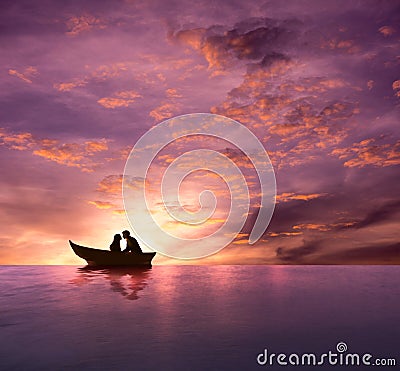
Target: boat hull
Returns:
[97, 257]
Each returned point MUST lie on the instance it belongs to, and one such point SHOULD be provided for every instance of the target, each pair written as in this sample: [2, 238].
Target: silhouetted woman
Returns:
[115, 245]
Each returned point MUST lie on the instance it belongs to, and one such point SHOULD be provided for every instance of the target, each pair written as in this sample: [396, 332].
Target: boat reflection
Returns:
[127, 281]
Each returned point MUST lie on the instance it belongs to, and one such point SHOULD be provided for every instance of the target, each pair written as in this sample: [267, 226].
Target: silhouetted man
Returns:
[131, 243]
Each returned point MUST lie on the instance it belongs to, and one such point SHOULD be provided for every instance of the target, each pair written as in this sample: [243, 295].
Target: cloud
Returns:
[83, 23]
[306, 132]
[396, 87]
[387, 31]
[283, 234]
[323, 227]
[120, 153]
[380, 214]
[102, 204]
[96, 146]
[66, 154]
[146, 70]
[311, 82]
[18, 141]
[119, 212]
[173, 93]
[300, 254]
[164, 111]
[299, 121]
[136, 183]
[120, 99]
[99, 74]
[367, 153]
[289, 196]
[67, 86]
[80, 155]
[111, 184]
[26, 75]
[338, 45]
[249, 40]
[387, 253]
[74, 154]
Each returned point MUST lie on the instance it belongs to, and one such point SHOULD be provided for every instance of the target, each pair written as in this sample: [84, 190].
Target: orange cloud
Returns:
[120, 99]
[250, 104]
[26, 75]
[67, 86]
[102, 204]
[78, 155]
[290, 196]
[111, 184]
[193, 38]
[262, 110]
[332, 83]
[312, 85]
[311, 226]
[322, 227]
[298, 128]
[164, 111]
[173, 93]
[283, 234]
[119, 212]
[96, 146]
[78, 24]
[73, 154]
[240, 242]
[66, 154]
[366, 153]
[396, 87]
[19, 141]
[287, 130]
[216, 56]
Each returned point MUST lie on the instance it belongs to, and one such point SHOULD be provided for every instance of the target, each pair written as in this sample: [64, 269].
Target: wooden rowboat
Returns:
[97, 257]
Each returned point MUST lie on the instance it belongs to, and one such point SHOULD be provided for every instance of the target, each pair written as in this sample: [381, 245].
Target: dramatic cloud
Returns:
[255, 40]
[317, 84]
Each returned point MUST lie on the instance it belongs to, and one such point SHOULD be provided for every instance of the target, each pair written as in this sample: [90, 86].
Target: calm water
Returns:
[193, 317]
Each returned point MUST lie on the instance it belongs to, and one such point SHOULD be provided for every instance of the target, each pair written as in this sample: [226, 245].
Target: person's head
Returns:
[117, 237]
[126, 234]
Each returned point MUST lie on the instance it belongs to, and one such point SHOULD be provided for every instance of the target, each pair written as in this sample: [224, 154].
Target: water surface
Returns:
[197, 317]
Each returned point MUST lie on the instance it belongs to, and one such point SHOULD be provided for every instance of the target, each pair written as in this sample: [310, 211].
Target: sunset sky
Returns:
[317, 82]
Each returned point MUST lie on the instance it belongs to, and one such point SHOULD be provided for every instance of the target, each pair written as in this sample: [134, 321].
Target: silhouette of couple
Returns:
[131, 243]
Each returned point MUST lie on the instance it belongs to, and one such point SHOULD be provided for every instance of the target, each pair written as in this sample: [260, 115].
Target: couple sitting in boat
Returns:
[131, 243]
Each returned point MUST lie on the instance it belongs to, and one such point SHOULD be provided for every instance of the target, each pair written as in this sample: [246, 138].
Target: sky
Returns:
[317, 82]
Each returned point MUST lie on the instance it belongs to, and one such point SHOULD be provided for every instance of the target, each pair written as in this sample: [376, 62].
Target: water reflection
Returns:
[127, 281]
